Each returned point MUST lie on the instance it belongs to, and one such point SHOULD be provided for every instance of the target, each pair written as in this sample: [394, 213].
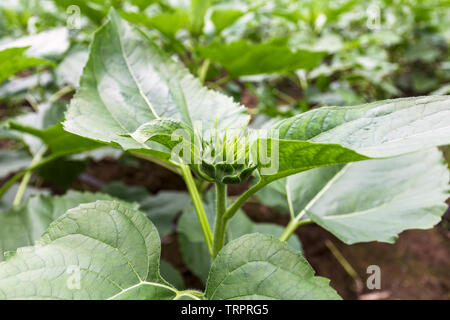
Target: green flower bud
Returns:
[225, 160]
[227, 173]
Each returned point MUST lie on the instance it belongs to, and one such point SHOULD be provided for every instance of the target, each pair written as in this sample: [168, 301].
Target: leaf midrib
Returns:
[122, 52]
[109, 111]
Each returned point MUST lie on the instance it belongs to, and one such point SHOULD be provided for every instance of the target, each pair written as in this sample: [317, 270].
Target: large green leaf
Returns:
[13, 60]
[192, 244]
[368, 201]
[128, 81]
[291, 156]
[82, 240]
[258, 266]
[337, 135]
[244, 58]
[379, 129]
[22, 225]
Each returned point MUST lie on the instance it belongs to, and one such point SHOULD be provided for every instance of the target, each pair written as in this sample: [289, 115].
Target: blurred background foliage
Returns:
[288, 55]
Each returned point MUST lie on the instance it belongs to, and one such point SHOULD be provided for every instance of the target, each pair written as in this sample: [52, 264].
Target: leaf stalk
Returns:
[221, 224]
[291, 227]
[198, 205]
[27, 176]
[20, 174]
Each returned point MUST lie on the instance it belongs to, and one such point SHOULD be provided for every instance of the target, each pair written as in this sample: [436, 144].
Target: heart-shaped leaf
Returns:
[379, 129]
[100, 250]
[337, 135]
[367, 201]
[128, 81]
[258, 266]
[22, 225]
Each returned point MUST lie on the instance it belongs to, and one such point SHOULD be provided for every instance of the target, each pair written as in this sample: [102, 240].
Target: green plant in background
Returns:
[364, 173]
[323, 50]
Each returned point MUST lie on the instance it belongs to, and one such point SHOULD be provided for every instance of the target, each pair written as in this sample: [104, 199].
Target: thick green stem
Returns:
[197, 201]
[26, 178]
[221, 223]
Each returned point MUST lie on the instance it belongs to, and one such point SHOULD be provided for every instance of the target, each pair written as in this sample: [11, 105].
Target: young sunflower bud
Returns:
[226, 173]
[226, 160]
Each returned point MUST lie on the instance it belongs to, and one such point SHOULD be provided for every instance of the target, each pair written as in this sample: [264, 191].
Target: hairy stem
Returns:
[27, 177]
[221, 223]
[197, 201]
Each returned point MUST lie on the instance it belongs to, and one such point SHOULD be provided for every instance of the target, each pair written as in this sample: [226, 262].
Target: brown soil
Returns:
[146, 174]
